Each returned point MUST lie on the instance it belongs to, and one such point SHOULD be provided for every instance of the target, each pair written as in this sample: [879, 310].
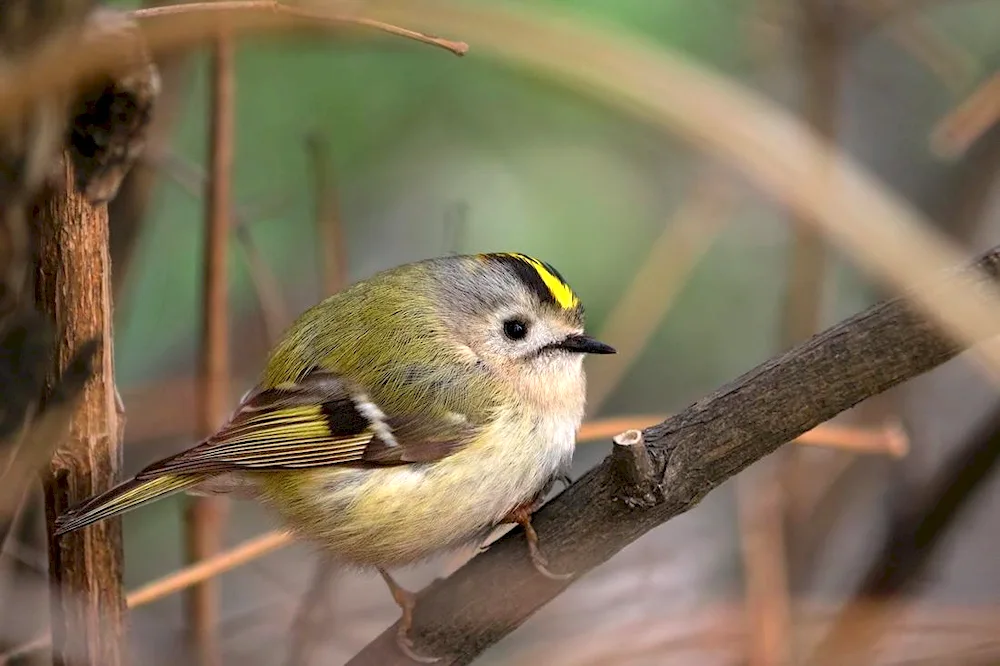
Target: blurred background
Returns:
[353, 155]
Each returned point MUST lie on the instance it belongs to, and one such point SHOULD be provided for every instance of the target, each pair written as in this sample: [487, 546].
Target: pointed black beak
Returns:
[584, 344]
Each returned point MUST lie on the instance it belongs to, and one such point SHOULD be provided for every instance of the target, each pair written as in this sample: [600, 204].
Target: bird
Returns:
[408, 415]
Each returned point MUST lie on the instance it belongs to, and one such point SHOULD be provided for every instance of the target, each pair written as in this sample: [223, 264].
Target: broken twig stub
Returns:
[634, 468]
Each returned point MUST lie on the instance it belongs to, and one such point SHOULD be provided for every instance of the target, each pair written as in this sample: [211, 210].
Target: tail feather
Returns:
[122, 498]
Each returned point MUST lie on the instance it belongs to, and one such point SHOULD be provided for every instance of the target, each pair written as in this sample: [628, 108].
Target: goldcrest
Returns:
[409, 414]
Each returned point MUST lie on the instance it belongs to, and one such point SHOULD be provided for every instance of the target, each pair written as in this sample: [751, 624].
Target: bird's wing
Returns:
[319, 421]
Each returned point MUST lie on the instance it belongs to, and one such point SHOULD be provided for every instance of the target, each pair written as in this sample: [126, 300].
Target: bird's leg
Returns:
[406, 601]
[522, 516]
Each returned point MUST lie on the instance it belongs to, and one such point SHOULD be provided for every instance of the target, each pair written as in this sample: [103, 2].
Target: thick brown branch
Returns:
[73, 286]
[692, 452]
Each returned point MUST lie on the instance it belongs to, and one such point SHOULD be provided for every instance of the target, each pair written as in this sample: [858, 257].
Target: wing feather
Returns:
[319, 421]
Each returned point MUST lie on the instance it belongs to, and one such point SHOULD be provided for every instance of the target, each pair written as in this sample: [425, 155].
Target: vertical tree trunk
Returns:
[73, 286]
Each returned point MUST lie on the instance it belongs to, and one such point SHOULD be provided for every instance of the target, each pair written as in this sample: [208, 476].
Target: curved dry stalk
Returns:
[329, 229]
[659, 280]
[963, 126]
[206, 516]
[336, 20]
[885, 236]
[251, 549]
[949, 61]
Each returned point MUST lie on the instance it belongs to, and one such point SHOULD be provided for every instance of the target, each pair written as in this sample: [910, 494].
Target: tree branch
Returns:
[73, 286]
[692, 453]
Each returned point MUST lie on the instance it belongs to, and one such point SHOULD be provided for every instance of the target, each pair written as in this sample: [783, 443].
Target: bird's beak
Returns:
[584, 344]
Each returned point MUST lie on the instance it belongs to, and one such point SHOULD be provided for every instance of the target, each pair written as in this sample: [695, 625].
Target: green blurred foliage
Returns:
[415, 132]
[410, 127]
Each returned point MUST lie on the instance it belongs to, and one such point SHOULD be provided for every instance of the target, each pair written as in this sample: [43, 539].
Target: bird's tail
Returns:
[122, 498]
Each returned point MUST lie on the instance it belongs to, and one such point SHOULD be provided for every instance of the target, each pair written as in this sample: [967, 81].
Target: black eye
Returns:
[515, 329]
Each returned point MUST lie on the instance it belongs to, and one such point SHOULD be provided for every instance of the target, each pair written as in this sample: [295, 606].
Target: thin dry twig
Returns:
[761, 495]
[458, 48]
[251, 549]
[312, 621]
[129, 209]
[314, 610]
[329, 228]
[889, 441]
[270, 304]
[954, 66]
[963, 126]
[206, 515]
[910, 542]
[884, 235]
[273, 316]
[659, 279]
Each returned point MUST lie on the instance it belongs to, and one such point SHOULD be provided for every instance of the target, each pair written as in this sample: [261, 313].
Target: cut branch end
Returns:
[635, 469]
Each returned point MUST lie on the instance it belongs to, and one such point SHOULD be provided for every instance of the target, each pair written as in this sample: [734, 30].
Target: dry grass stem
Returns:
[954, 66]
[206, 515]
[206, 569]
[889, 440]
[760, 510]
[458, 48]
[329, 228]
[762, 502]
[266, 288]
[314, 615]
[658, 281]
[883, 234]
[273, 316]
[953, 135]
[312, 622]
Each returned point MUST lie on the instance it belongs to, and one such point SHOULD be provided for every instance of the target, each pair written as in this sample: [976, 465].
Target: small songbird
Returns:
[410, 414]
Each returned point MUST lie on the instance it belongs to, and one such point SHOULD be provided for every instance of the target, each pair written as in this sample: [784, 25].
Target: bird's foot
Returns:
[406, 601]
[522, 516]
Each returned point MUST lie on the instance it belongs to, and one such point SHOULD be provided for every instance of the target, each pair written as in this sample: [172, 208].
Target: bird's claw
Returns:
[405, 644]
[406, 601]
[541, 563]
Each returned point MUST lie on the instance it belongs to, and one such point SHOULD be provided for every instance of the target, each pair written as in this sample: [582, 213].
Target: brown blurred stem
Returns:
[206, 515]
[963, 126]
[311, 623]
[762, 496]
[333, 19]
[910, 541]
[129, 210]
[918, 35]
[314, 612]
[329, 229]
[693, 452]
[269, 301]
[73, 285]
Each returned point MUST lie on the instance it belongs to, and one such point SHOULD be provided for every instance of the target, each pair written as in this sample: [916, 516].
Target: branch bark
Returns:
[692, 453]
[73, 287]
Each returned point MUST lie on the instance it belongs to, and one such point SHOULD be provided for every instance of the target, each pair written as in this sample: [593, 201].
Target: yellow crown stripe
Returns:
[560, 290]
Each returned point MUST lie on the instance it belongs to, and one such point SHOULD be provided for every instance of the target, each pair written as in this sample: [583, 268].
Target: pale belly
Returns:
[393, 516]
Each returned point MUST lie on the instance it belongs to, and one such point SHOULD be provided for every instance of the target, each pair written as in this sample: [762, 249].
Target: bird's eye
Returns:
[515, 329]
